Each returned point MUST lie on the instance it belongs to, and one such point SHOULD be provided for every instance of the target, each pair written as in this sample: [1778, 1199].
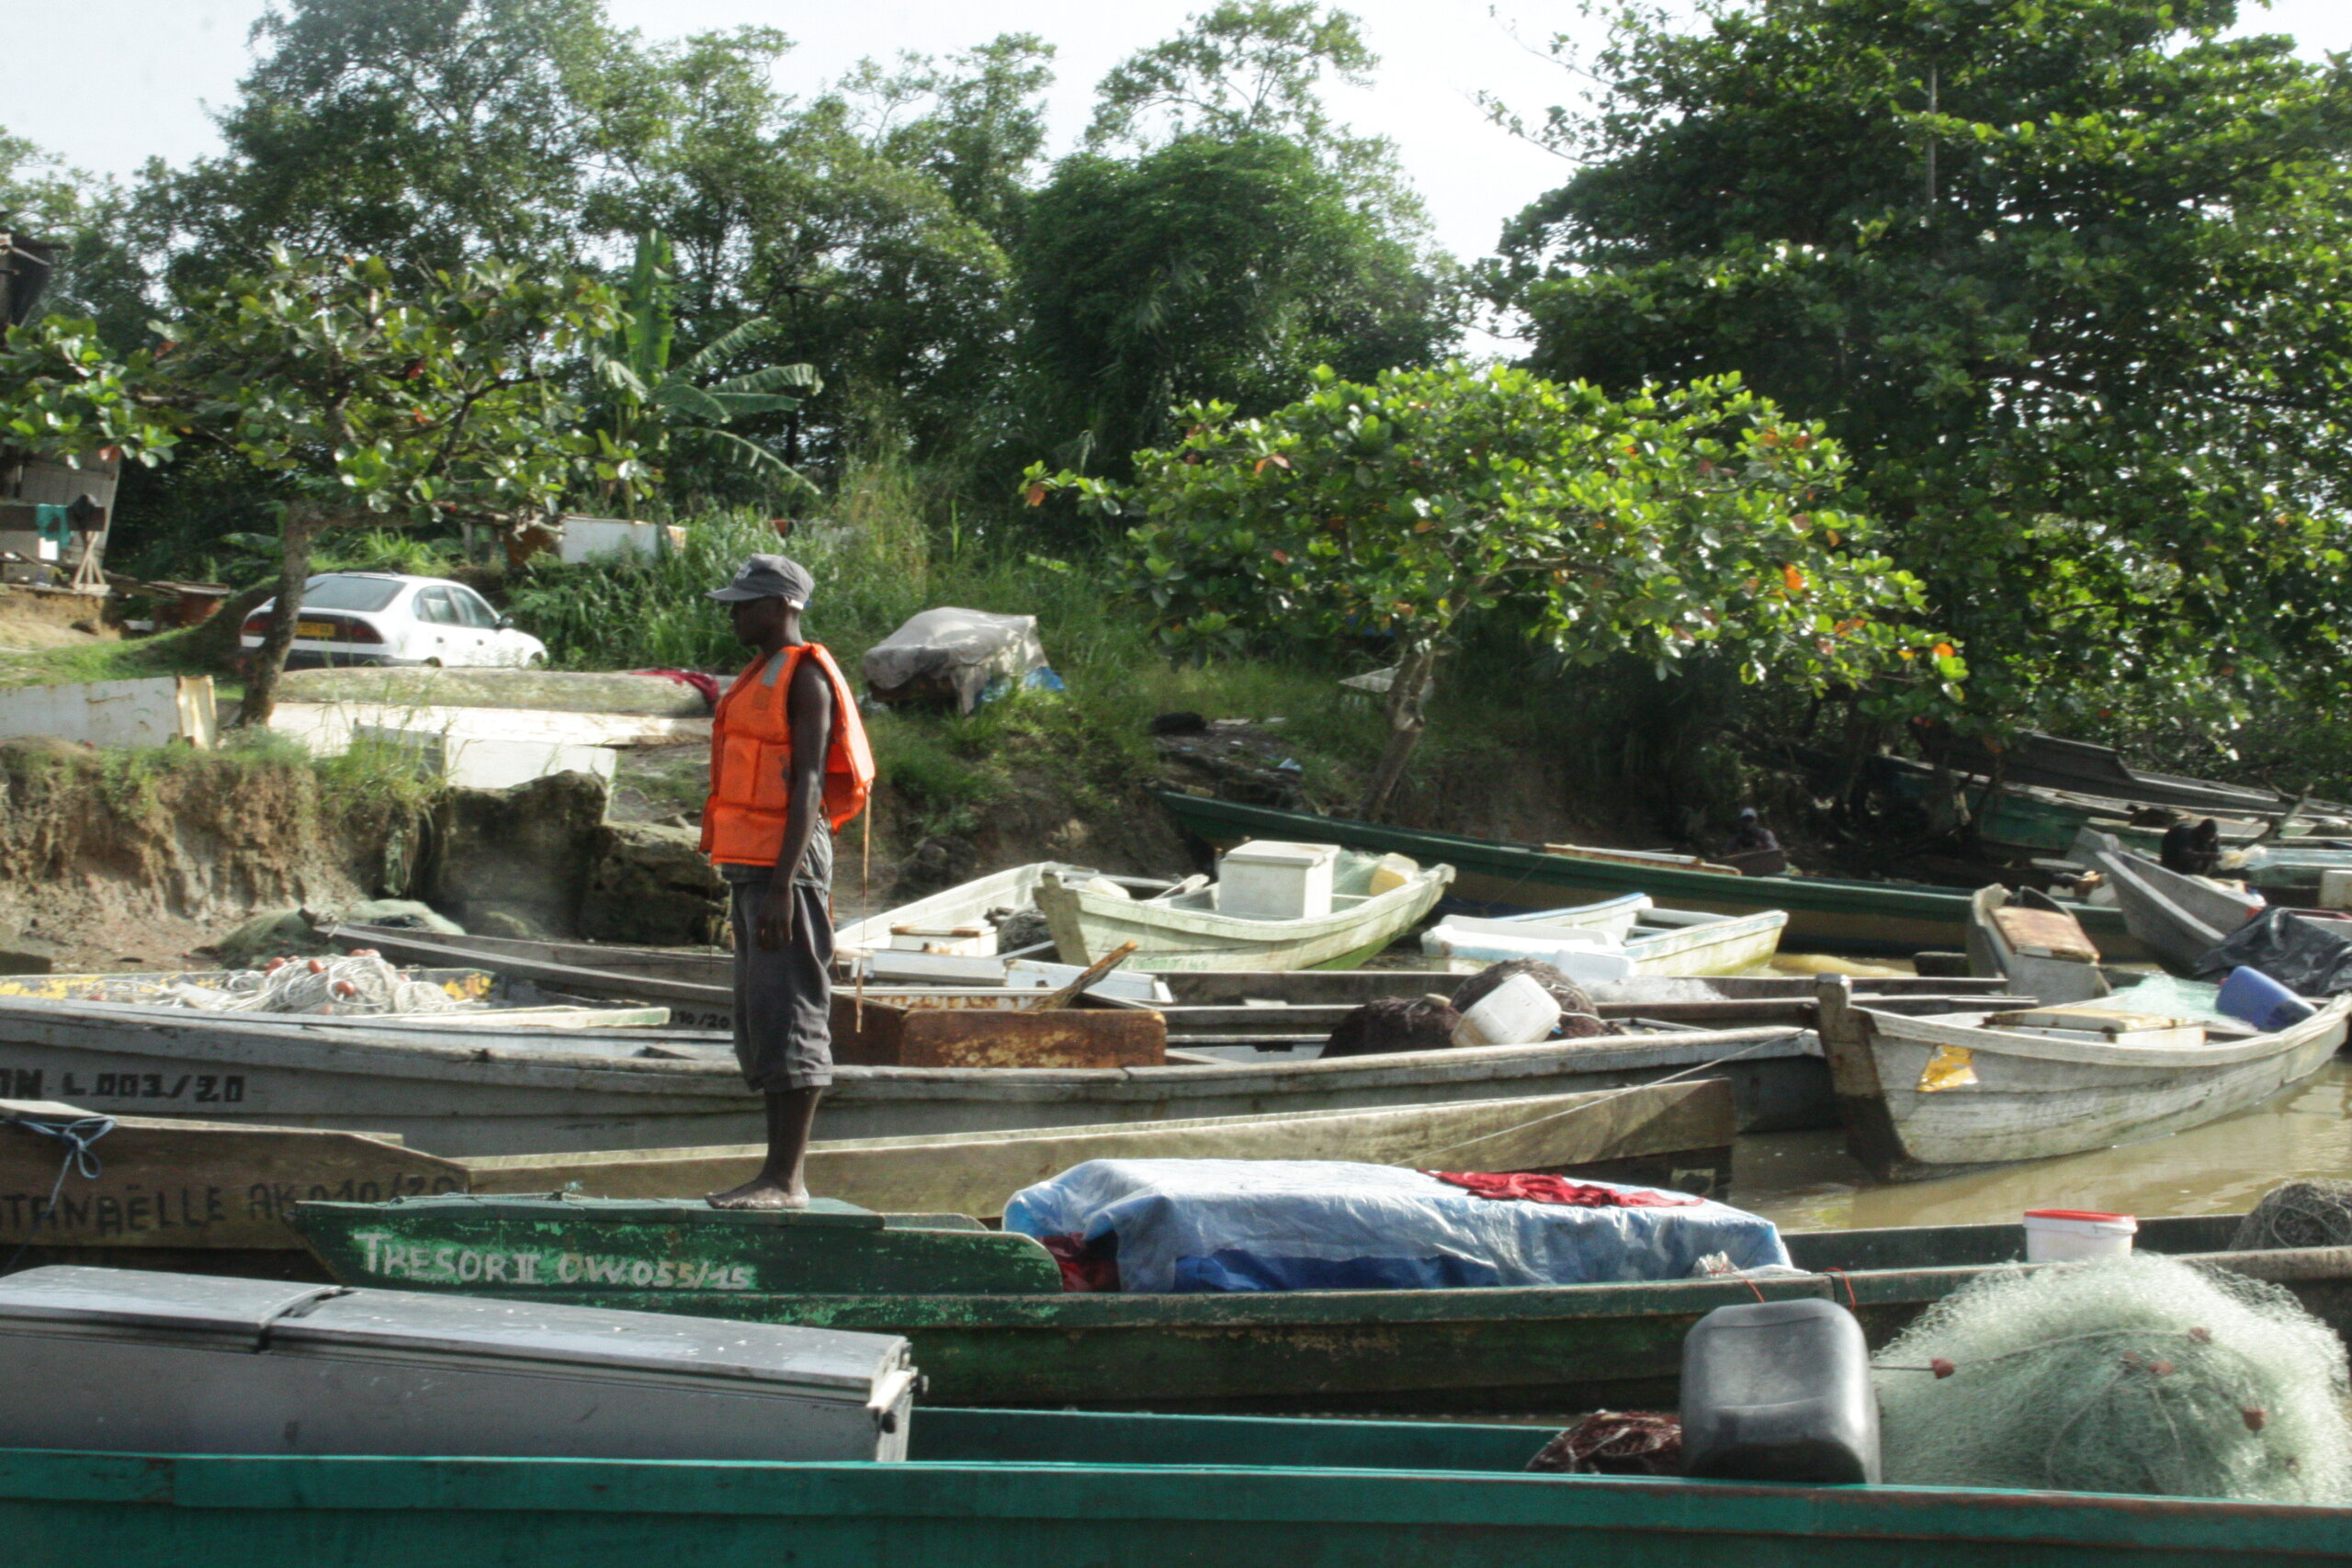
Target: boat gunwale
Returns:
[1956, 1028]
[971, 1491]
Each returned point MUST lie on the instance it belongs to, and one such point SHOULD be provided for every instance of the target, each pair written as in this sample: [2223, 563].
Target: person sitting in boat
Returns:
[1751, 836]
[789, 766]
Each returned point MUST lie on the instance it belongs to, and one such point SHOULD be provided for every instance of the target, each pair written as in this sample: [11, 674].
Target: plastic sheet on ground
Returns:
[952, 654]
[1208, 1225]
[2309, 957]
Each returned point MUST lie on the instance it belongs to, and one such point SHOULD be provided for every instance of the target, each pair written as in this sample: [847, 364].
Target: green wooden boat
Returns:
[1554, 1350]
[1017, 1489]
[1824, 915]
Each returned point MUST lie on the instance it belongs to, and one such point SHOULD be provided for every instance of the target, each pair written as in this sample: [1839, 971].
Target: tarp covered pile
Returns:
[1198, 1226]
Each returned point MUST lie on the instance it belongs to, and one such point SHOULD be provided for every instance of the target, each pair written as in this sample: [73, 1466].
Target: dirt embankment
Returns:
[143, 856]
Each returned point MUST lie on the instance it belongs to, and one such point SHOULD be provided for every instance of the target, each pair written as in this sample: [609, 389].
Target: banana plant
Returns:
[656, 408]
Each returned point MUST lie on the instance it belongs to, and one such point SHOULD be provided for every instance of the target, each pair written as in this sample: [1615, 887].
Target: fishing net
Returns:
[362, 985]
[1394, 1023]
[1579, 1016]
[1615, 1443]
[2140, 1374]
[2317, 1212]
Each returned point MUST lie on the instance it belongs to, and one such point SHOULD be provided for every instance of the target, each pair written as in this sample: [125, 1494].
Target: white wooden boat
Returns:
[1926, 1096]
[1187, 931]
[475, 1092]
[1649, 941]
[955, 921]
[2179, 918]
[2039, 948]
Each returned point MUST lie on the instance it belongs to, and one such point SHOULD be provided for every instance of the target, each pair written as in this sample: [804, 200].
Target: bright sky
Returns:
[145, 70]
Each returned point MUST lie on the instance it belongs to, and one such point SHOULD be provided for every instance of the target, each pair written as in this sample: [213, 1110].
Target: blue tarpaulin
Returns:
[1212, 1224]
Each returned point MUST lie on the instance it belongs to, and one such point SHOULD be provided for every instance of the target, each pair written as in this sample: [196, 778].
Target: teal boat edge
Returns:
[149, 1510]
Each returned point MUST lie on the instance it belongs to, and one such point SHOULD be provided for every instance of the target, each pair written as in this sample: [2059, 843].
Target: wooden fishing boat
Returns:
[1005, 1489]
[1188, 931]
[2179, 918]
[1824, 915]
[2027, 939]
[1550, 1349]
[1923, 1097]
[1663, 943]
[523, 1091]
[2023, 819]
[214, 1198]
[955, 921]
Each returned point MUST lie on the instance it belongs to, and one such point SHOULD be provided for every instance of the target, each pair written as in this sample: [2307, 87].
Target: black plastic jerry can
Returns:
[1779, 1391]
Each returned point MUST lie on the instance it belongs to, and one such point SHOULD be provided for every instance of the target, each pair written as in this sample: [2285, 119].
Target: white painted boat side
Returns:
[1169, 936]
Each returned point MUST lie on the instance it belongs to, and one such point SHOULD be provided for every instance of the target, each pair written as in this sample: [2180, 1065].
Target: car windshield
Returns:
[350, 593]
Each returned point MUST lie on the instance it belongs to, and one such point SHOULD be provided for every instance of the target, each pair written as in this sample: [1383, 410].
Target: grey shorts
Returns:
[783, 1033]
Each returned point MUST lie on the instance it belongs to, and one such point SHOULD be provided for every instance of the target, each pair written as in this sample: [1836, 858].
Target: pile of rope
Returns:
[361, 985]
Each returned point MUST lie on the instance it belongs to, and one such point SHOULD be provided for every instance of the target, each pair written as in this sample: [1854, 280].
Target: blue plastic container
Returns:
[2252, 997]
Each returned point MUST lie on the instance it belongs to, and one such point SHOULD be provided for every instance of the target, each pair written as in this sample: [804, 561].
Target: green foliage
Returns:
[1248, 65]
[2062, 275]
[1667, 524]
[651, 408]
[1222, 268]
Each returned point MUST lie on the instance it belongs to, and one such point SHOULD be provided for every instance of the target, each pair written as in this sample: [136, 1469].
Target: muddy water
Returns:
[1806, 1182]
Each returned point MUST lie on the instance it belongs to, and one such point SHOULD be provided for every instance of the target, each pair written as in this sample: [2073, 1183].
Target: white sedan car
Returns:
[378, 617]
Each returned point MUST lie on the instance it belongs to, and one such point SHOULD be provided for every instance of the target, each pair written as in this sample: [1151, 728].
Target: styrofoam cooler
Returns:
[1589, 960]
[128, 1360]
[1520, 1011]
[2073, 1236]
[1269, 880]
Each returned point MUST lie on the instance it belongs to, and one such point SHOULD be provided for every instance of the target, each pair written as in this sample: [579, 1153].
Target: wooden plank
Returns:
[170, 1184]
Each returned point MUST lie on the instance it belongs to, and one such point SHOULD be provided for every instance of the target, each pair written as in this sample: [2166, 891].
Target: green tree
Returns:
[1665, 523]
[363, 400]
[663, 411]
[1210, 268]
[2064, 277]
[431, 132]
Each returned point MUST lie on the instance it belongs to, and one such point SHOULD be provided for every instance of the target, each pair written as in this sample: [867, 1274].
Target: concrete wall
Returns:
[114, 713]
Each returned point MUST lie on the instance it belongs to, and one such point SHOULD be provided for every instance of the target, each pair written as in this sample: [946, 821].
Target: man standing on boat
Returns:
[789, 766]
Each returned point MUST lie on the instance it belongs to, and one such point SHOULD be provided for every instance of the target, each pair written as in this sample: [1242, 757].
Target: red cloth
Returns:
[1086, 1267]
[1533, 1188]
[705, 684]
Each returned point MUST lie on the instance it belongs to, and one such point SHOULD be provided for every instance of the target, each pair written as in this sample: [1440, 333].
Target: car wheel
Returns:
[537, 662]
[432, 664]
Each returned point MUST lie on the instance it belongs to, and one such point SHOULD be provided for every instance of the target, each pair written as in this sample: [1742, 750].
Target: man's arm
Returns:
[809, 707]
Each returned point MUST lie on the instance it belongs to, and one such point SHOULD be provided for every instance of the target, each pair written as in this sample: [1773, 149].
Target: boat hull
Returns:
[1824, 915]
[1927, 1097]
[624, 1090]
[1552, 1350]
[1089, 926]
[995, 1489]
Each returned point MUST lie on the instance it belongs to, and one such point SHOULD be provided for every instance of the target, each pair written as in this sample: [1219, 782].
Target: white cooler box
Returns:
[125, 1360]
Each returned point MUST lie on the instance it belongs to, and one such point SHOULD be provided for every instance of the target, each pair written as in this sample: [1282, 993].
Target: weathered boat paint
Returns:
[1187, 934]
[1927, 1097]
[1554, 1350]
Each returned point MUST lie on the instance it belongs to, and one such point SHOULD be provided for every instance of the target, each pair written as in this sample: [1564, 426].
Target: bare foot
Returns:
[762, 1193]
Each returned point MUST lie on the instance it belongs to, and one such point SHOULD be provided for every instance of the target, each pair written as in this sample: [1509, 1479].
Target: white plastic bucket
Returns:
[1520, 1011]
[2069, 1235]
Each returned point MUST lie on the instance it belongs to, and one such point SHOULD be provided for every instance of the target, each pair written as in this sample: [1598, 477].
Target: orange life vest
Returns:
[751, 760]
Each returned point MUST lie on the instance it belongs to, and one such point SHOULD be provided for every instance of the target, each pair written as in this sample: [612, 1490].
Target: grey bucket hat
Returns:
[769, 577]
